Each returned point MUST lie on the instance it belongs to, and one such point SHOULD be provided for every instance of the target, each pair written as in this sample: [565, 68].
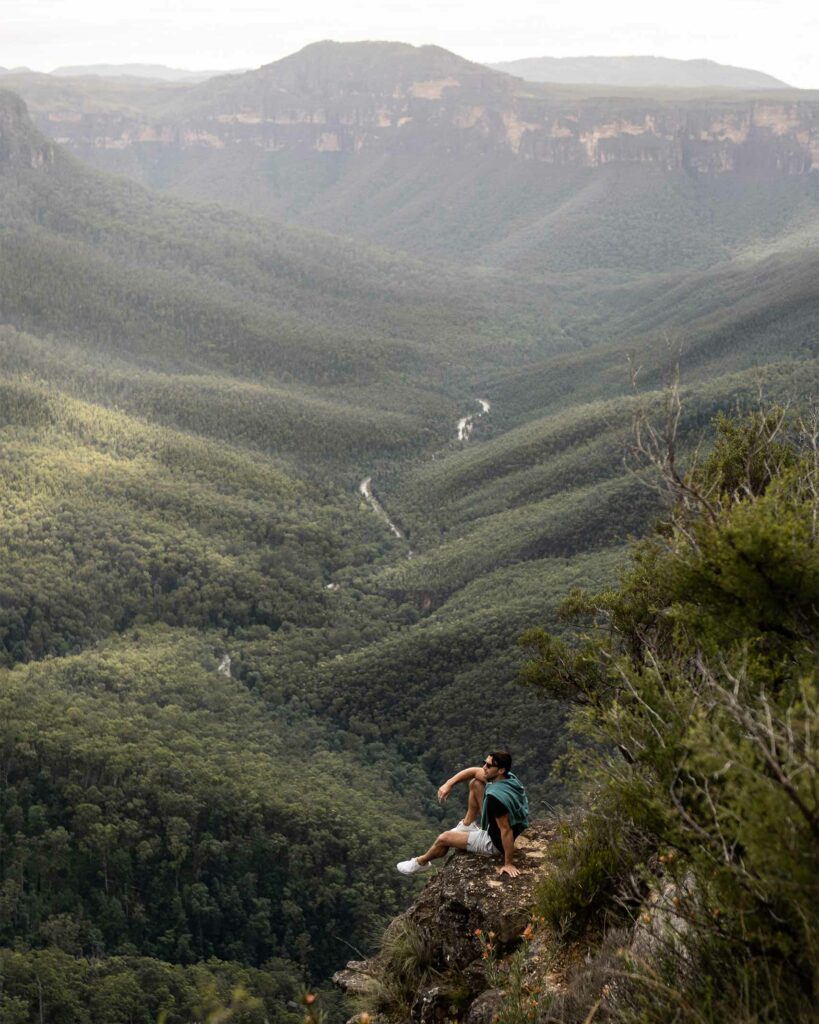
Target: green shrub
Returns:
[589, 874]
[404, 967]
[696, 699]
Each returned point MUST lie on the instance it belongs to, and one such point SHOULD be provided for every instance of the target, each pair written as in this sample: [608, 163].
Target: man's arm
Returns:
[508, 841]
[461, 776]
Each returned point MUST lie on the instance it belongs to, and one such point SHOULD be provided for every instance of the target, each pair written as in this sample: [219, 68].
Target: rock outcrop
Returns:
[465, 921]
[471, 947]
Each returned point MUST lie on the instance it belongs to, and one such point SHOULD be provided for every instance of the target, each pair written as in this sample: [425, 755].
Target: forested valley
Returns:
[229, 690]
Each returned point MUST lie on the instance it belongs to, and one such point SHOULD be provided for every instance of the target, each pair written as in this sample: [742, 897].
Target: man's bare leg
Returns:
[445, 841]
[475, 804]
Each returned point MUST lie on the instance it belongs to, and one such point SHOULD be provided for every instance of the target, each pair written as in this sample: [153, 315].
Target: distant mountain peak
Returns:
[639, 71]
[375, 61]
[152, 72]
[330, 71]
[374, 50]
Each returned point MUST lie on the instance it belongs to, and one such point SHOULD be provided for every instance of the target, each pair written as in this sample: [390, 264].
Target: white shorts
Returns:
[479, 842]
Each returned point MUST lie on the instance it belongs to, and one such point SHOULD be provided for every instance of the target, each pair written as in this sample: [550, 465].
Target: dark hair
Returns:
[503, 759]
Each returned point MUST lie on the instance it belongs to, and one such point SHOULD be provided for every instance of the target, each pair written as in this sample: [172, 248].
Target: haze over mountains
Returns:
[191, 393]
[417, 148]
[155, 72]
[650, 72]
[613, 71]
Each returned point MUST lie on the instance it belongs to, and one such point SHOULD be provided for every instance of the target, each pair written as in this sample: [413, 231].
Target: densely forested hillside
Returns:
[182, 287]
[155, 806]
[229, 689]
[184, 559]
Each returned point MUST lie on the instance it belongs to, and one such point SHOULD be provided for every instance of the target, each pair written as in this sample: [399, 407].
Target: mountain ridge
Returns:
[349, 98]
[418, 150]
[640, 71]
[152, 72]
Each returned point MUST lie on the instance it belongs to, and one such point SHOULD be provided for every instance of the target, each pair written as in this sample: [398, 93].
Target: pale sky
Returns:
[780, 37]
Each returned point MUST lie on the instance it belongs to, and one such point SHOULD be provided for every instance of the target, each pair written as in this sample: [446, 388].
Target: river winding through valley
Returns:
[467, 423]
[464, 429]
[365, 489]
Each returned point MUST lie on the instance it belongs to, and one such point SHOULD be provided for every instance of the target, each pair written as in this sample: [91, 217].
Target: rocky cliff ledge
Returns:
[453, 952]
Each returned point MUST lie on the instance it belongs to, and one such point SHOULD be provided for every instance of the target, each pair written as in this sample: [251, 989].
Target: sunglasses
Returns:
[488, 764]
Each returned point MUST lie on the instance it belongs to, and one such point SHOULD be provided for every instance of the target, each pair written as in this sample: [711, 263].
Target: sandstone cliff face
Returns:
[375, 98]
[453, 114]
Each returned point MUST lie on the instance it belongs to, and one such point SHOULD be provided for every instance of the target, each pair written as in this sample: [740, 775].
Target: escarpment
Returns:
[390, 98]
[448, 116]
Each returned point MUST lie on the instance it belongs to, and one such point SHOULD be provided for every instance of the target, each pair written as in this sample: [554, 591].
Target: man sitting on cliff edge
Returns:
[499, 797]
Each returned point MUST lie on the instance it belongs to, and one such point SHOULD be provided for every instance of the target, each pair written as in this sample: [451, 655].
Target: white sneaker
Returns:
[411, 867]
[461, 827]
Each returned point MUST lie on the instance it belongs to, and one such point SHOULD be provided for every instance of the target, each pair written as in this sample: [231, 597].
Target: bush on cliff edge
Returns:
[694, 688]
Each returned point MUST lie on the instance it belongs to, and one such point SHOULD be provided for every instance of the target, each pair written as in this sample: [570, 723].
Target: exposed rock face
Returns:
[468, 894]
[465, 896]
[484, 1008]
[749, 137]
[331, 102]
[392, 98]
[354, 978]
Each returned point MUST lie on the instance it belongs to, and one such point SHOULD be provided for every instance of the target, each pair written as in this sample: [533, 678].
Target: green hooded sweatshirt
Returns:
[509, 790]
